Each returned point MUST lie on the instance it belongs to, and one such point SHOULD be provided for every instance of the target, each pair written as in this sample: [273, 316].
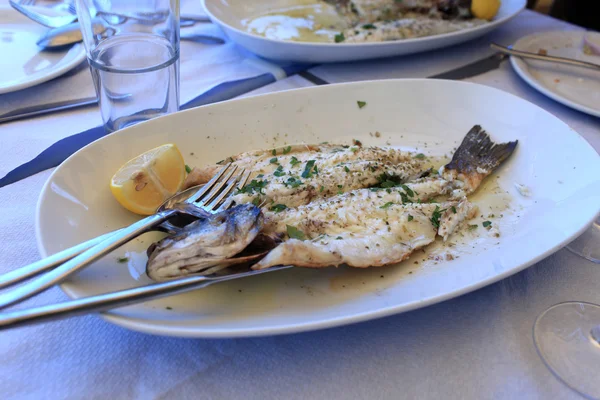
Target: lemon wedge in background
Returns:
[146, 181]
[485, 9]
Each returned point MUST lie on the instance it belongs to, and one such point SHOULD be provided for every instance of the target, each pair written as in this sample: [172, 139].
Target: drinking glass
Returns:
[567, 335]
[133, 53]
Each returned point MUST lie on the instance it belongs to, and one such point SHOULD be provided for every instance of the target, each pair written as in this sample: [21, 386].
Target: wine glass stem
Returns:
[596, 334]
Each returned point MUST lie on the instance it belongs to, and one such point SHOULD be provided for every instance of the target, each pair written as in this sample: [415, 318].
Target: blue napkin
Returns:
[61, 150]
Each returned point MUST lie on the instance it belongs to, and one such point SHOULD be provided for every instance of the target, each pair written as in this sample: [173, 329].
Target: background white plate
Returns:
[229, 14]
[575, 87]
[432, 115]
[23, 64]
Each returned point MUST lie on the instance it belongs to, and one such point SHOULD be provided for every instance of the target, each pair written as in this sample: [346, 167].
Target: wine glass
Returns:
[588, 244]
[567, 335]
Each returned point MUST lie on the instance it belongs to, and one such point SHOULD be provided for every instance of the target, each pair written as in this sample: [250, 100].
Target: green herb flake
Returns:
[168, 308]
[410, 218]
[346, 169]
[453, 209]
[294, 161]
[420, 156]
[307, 173]
[361, 104]
[339, 238]
[273, 160]
[256, 201]
[321, 189]
[435, 217]
[274, 152]
[387, 205]
[295, 233]
[293, 182]
[278, 207]
[472, 227]
[279, 171]
[123, 259]
[187, 169]
[408, 191]
[287, 149]
[339, 38]
[255, 186]
[486, 224]
[369, 26]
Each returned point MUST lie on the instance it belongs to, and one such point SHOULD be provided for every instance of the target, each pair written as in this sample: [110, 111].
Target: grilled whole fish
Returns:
[328, 205]
[357, 12]
[291, 176]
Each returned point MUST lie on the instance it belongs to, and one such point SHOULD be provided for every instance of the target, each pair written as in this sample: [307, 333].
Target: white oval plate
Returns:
[431, 115]
[575, 87]
[229, 14]
[23, 64]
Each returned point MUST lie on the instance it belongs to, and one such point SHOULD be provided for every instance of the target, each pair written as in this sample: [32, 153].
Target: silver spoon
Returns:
[66, 35]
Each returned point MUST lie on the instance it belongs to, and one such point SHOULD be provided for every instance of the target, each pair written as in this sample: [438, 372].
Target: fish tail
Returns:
[478, 153]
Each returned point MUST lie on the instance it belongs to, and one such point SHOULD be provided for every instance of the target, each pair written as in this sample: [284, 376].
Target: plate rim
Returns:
[54, 73]
[194, 332]
[491, 25]
[519, 65]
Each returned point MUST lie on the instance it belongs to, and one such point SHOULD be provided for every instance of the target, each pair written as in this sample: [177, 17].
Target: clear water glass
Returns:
[133, 53]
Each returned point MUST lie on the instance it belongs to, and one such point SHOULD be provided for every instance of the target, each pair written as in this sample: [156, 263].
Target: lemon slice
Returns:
[146, 181]
[485, 9]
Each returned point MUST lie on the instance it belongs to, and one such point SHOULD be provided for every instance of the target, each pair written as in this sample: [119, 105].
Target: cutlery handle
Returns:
[562, 60]
[121, 298]
[77, 263]
[36, 268]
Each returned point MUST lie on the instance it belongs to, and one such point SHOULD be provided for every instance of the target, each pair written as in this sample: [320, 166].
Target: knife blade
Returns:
[40, 109]
[478, 67]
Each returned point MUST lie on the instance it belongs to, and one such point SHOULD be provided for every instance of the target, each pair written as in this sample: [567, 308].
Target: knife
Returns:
[478, 67]
[47, 108]
[473, 69]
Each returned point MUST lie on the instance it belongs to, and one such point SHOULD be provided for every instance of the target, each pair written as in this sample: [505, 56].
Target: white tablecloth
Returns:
[476, 346]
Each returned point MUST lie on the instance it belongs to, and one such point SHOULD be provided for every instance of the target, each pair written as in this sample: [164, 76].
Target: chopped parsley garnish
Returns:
[287, 149]
[278, 207]
[354, 149]
[339, 37]
[187, 169]
[339, 238]
[408, 191]
[255, 186]
[273, 160]
[340, 187]
[256, 201]
[279, 171]
[435, 217]
[307, 173]
[123, 259]
[361, 104]
[321, 189]
[295, 233]
[259, 175]
[420, 156]
[293, 182]
[472, 227]
[274, 152]
[410, 218]
[369, 26]
[346, 168]
[294, 161]
[356, 142]
[486, 224]
[387, 205]
[453, 209]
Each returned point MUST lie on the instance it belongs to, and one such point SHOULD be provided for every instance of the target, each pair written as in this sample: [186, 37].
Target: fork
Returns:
[24, 7]
[213, 197]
